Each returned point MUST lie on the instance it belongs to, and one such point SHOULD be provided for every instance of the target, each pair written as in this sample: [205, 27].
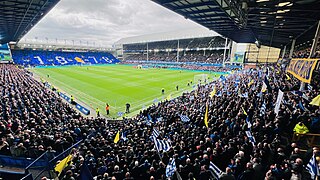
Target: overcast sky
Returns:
[106, 21]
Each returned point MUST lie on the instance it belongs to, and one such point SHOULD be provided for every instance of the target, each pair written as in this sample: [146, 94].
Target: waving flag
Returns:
[184, 118]
[117, 137]
[288, 77]
[162, 145]
[171, 168]
[313, 168]
[301, 106]
[278, 103]
[63, 163]
[251, 82]
[315, 101]
[155, 132]
[213, 92]
[250, 137]
[124, 136]
[206, 116]
[244, 112]
[215, 171]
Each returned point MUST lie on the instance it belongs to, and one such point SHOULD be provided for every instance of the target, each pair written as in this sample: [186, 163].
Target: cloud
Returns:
[106, 21]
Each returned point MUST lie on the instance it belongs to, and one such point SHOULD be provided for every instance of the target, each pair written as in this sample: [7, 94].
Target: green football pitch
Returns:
[117, 85]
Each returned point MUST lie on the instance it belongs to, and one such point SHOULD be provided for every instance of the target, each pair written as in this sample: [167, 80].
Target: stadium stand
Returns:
[33, 120]
[41, 57]
[191, 44]
[194, 56]
[303, 51]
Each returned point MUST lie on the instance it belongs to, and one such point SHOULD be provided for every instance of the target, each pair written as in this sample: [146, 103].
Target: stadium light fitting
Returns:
[263, 22]
[260, 1]
[285, 4]
[283, 11]
[278, 17]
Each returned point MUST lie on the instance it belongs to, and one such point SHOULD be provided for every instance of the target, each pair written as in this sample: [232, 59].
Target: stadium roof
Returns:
[17, 17]
[271, 22]
[167, 36]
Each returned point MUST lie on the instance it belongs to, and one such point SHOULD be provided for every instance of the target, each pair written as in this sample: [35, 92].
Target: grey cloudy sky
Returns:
[106, 21]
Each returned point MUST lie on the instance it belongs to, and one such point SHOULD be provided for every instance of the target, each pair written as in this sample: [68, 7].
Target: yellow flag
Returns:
[316, 101]
[117, 138]
[63, 163]
[251, 82]
[213, 92]
[206, 116]
[244, 112]
[288, 77]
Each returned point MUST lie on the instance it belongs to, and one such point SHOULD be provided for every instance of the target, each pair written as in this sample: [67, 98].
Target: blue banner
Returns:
[82, 109]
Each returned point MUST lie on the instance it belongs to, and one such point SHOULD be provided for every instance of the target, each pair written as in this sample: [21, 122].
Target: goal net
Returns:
[201, 78]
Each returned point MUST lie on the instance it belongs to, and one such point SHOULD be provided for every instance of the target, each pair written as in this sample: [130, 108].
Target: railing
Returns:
[312, 139]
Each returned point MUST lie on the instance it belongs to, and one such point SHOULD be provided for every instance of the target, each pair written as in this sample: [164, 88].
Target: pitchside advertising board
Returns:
[302, 68]
[5, 54]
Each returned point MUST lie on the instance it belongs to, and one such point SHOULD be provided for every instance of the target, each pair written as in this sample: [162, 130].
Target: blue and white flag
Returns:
[263, 108]
[155, 132]
[159, 119]
[124, 136]
[278, 103]
[310, 87]
[219, 94]
[171, 168]
[222, 78]
[184, 118]
[301, 106]
[299, 93]
[215, 171]
[244, 95]
[248, 122]
[162, 145]
[313, 167]
[250, 137]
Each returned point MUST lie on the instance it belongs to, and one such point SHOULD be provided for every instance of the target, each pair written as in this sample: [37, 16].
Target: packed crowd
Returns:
[191, 44]
[303, 51]
[33, 119]
[214, 57]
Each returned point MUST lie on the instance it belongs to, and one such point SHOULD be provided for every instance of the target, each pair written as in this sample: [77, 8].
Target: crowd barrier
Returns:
[312, 139]
[78, 106]
[20, 162]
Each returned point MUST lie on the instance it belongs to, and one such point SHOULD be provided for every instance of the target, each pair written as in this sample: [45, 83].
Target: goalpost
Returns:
[201, 78]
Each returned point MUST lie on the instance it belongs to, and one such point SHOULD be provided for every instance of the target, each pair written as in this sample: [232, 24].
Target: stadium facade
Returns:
[173, 46]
